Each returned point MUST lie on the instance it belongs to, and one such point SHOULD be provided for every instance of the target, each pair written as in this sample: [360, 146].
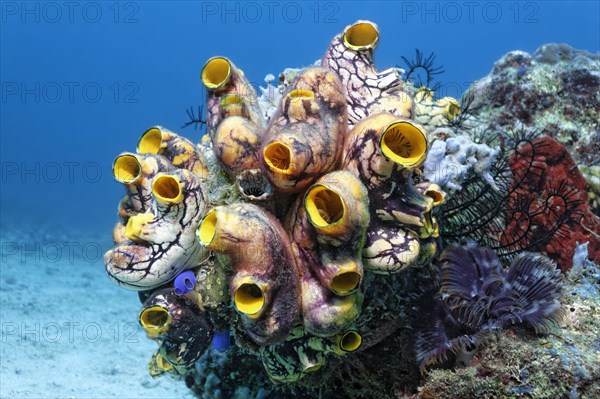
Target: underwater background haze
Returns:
[81, 81]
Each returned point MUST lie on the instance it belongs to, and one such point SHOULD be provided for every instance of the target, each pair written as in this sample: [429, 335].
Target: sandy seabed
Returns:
[67, 331]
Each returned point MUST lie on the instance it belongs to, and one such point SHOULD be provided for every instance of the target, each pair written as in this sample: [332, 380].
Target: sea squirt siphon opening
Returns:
[350, 341]
[278, 156]
[207, 228]
[324, 206]
[345, 283]
[163, 364]
[216, 73]
[127, 168]
[249, 299]
[155, 320]
[437, 196]
[361, 36]
[404, 143]
[150, 141]
[167, 189]
[451, 107]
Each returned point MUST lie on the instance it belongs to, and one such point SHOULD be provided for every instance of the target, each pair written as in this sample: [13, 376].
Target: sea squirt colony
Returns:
[276, 218]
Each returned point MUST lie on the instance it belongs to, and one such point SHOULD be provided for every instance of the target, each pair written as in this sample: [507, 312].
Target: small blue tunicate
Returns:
[221, 340]
[521, 71]
[184, 283]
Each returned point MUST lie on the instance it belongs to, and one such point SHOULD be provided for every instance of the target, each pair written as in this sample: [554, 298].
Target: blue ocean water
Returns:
[81, 81]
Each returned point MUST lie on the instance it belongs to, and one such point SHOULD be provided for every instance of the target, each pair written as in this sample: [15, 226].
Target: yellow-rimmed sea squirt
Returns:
[327, 226]
[390, 248]
[432, 113]
[118, 234]
[264, 285]
[382, 145]
[383, 150]
[238, 136]
[302, 354]
[237, 145]
[136, 172]
[438, 196]
[181, 152]
[237, 142]
[347, 342]
[222, 78]
[337, 210]
[158, 366]
[369, 91]
[325, 313]
[178, 325]
[299, 355]
[404, 143]
[162, 242]
[432, 190]
[304, 138]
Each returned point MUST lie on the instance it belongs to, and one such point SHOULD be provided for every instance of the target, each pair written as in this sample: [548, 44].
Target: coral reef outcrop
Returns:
[295, 251]
[556, 91]
[292, 213]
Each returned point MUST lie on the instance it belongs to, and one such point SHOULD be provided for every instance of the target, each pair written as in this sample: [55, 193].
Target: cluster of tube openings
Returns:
[343, 166]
